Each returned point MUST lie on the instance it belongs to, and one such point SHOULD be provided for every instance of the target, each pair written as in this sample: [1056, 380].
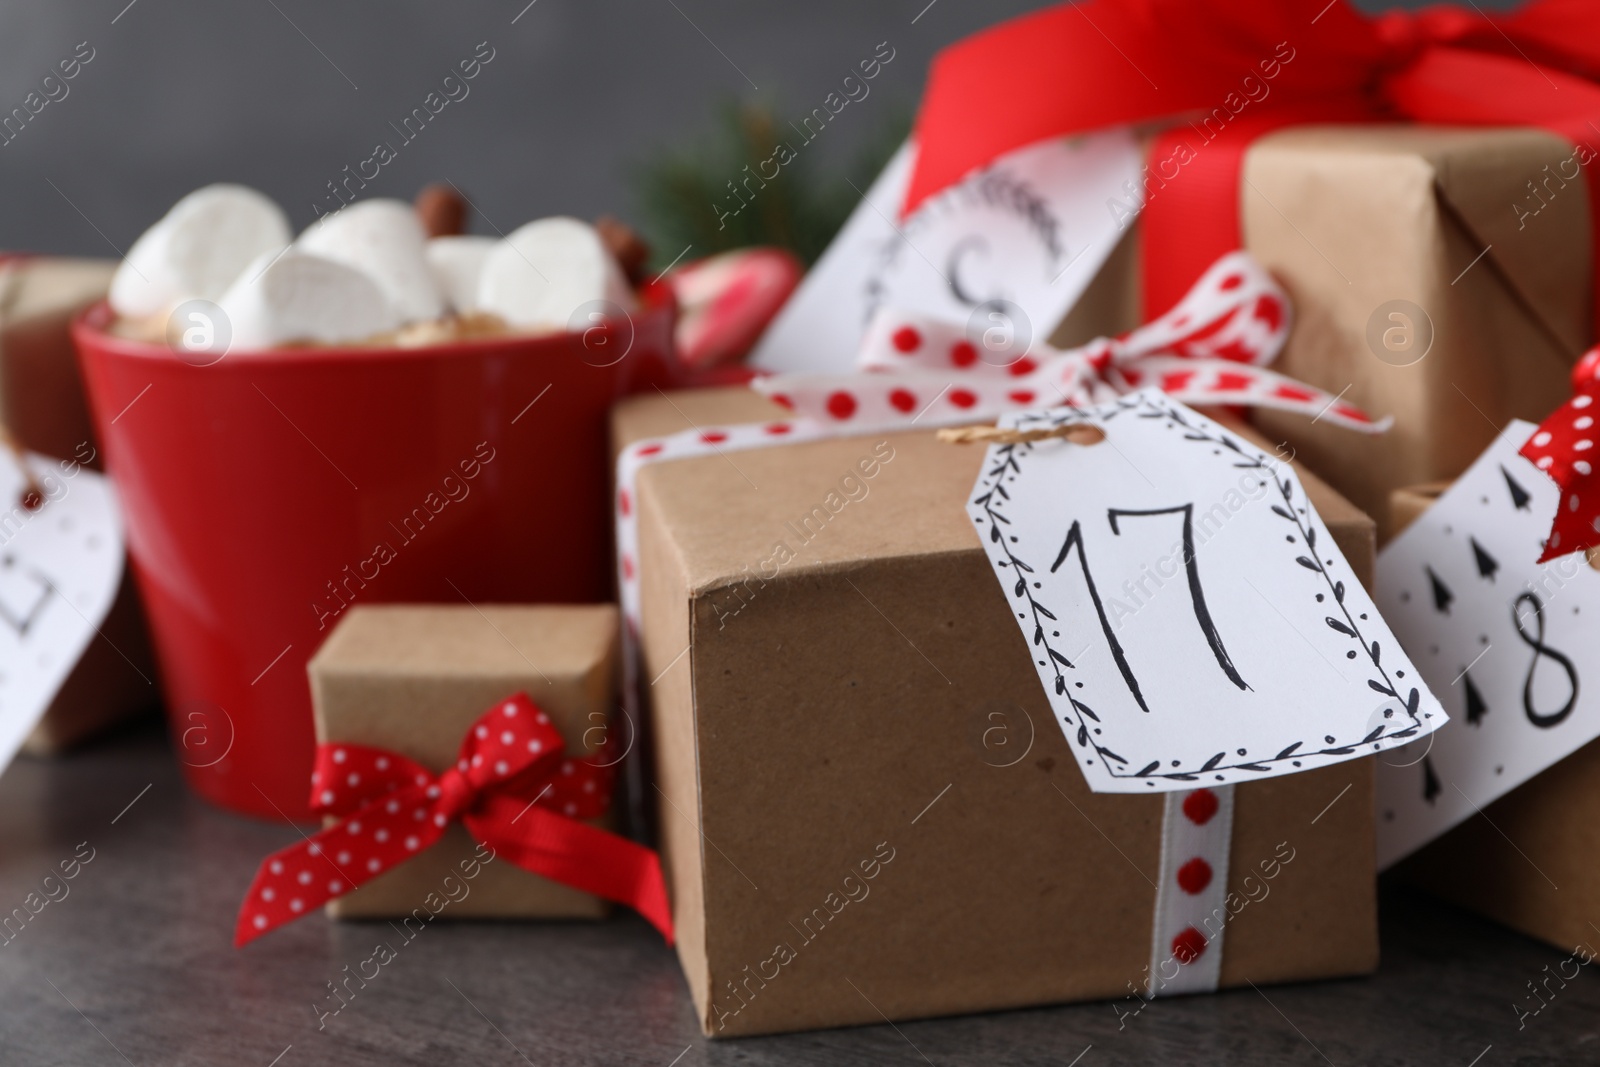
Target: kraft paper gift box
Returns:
[1554, 820]
[42, 407]
[41, 392]
[1486, 231]
[413, 679]
[824, 748]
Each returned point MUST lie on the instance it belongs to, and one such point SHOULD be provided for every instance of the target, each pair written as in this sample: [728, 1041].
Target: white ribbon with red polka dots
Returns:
[1191, 898]
[1211, 348]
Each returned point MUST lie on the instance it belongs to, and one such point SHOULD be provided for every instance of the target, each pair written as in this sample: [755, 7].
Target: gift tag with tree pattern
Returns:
[1504, 639]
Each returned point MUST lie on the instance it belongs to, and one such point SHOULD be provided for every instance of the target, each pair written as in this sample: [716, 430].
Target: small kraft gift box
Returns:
[41, 391]
[866, 809]
[412, 680]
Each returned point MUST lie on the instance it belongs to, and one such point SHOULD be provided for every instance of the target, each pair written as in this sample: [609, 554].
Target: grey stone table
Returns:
[134, 965]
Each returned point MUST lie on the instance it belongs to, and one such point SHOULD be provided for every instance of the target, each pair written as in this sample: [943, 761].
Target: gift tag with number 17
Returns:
[1189, 615]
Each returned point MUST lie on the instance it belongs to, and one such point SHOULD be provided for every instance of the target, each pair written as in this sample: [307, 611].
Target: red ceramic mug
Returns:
[267, 492]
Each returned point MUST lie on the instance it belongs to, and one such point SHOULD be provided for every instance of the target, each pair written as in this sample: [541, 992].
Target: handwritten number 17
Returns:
[1197, 594]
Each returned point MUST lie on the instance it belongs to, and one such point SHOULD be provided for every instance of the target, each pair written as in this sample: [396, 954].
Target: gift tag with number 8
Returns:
[1505, 640]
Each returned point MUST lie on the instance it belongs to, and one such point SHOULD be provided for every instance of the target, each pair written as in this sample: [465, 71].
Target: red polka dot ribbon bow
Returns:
[513, 789]
[1564, 448]
[1211, 348]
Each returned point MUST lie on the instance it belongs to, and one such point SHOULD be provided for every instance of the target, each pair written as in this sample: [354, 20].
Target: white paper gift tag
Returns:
[1031, 229]
[60, 566]
[1502, 640]
[1189, 615]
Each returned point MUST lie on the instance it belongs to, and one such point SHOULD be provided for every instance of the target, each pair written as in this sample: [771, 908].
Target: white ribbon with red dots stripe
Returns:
[1211, 348]
[1191, 897]
[688, 445]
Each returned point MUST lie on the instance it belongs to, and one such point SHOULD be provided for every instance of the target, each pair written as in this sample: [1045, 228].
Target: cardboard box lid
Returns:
[412, 678]
[1481, 174]
[41, 396]
[430, 640]
[49, 285]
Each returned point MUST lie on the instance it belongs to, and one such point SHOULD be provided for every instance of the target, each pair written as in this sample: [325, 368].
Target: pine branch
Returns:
[685, 197]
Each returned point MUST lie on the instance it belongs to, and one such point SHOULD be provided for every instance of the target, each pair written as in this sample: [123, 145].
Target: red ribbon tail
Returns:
[293, 882]
[576, 854]
[277, 895]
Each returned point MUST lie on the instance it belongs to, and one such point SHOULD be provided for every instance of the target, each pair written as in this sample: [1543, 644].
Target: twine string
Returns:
[1079, 433]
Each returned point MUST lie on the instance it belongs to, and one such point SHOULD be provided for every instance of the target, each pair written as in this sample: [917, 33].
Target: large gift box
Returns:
[1441, 276]
[865, 806]
[1421, 181]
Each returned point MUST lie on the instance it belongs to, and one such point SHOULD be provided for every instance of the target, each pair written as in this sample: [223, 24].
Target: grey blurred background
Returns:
[284, 94]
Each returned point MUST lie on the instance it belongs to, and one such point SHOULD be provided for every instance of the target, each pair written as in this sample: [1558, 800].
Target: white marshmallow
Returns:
[457, 263]
[546, 270]
[301, 297]
[197, 249]
[384, 240]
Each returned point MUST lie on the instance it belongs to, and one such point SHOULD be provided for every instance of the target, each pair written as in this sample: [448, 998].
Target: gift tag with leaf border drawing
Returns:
[1505, 641]
[1189, 615]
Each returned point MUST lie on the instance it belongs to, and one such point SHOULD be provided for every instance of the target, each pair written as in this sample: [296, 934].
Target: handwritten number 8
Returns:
[1536, 642]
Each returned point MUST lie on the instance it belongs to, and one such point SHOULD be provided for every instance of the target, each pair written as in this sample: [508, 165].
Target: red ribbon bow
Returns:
[1104, 63]
[1211, 348]
[1564, 448]
[512, 788]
